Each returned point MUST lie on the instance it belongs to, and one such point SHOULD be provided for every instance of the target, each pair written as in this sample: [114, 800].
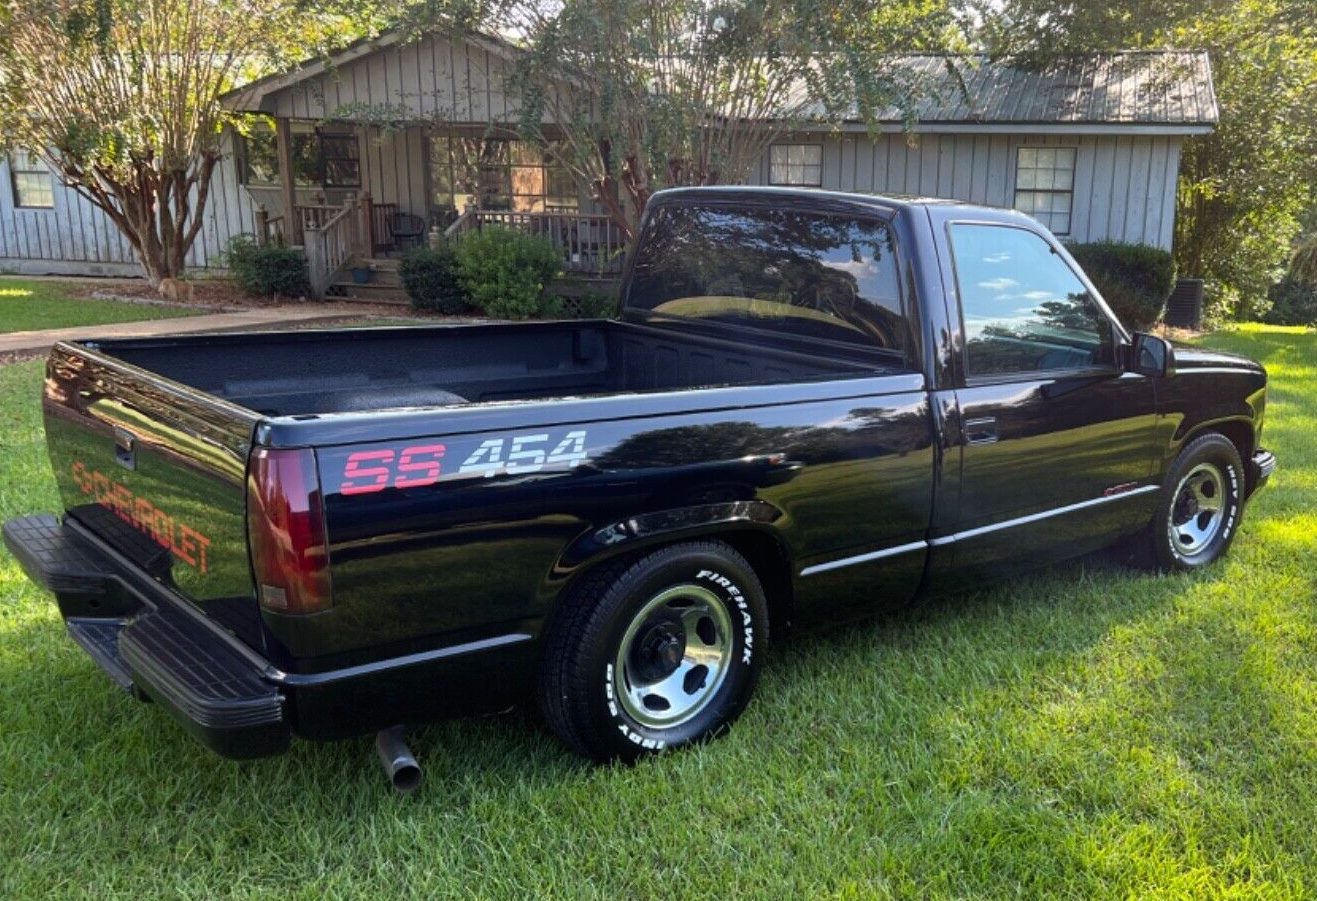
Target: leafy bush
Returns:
[505, 271]
[1222, 303]
[1293, 302]
[270, 270]
[597, 305]
[1303, 262]
[1134, 279]
[429, 276]
[556, 307]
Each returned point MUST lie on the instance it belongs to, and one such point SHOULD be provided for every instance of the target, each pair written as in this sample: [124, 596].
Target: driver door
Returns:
[1056, 441]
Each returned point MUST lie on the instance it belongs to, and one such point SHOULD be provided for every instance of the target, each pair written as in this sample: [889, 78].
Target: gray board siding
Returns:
[428, 80]
[1124, 186]
[74, 237]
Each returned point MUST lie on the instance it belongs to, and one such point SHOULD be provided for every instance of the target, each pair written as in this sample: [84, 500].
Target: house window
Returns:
[340, 160]
[796, 164]
[1045, 185]
[258, 158]
[33, 186]
[498, 174]
[328, 159]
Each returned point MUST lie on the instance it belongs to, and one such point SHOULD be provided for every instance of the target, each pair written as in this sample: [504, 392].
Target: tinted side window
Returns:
[1024, 309]
[800, 273]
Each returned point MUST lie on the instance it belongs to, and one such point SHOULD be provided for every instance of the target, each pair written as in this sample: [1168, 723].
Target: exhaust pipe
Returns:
[399, 764]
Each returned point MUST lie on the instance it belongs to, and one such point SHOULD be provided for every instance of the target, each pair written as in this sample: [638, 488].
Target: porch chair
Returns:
[408, 230]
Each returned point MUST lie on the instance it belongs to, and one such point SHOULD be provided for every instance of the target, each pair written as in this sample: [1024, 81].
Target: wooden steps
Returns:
[384, 287]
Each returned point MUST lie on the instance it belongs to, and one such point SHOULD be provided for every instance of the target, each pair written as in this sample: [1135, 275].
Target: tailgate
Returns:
[156, 469]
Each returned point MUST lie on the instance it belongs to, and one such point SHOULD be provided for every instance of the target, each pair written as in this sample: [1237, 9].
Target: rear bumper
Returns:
[219, 691]
[232, 698]
[1261, 466]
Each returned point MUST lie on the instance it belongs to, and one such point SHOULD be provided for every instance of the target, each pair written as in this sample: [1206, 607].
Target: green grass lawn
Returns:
[1085, 732]
[29, 304]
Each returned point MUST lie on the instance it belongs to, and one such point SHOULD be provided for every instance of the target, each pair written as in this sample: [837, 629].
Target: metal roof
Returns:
[1166, 91]
[1130, 88]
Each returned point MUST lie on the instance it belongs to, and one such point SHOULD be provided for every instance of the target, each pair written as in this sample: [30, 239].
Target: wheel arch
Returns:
[763, 547]
[1238, 431]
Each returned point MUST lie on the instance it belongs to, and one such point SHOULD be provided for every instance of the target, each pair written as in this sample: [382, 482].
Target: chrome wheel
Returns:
[1198, 511]
[674, 656]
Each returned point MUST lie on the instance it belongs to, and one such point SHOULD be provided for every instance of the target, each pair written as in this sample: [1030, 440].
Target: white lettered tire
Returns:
[655, 653]
[1201, 503]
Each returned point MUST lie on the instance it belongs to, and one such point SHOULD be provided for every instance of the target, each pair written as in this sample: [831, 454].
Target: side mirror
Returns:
[1150, 355]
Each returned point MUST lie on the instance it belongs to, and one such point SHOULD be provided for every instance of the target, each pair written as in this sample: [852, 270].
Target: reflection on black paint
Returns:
[829, 477]
[1025, 310]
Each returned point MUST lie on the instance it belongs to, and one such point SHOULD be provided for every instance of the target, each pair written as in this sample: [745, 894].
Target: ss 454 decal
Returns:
[418, 465]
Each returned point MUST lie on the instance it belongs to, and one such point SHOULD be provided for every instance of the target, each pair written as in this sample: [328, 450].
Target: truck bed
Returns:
[341, 370]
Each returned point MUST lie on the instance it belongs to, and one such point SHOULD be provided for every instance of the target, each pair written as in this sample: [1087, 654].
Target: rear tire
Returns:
[654, 653]
[1200, 505]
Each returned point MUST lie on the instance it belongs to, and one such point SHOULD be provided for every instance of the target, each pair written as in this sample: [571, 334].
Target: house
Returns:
[422, 128]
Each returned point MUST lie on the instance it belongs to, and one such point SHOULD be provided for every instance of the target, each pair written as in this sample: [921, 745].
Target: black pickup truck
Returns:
[810, 407]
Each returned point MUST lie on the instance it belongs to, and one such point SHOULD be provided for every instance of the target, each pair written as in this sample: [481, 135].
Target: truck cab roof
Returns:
[814, 197]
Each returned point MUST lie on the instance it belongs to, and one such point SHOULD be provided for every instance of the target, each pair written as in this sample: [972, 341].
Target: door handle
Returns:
[982, 430]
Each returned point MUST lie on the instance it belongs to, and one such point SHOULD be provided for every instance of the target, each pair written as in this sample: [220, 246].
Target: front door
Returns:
[1056, 449]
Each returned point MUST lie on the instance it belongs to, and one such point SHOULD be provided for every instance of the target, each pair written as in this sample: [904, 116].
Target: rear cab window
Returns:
[830, 278]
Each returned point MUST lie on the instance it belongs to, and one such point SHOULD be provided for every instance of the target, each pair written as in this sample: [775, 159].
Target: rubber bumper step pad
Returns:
[213, 691]
[53, 558]
[216, 692]
[209, 683]
[100, 639]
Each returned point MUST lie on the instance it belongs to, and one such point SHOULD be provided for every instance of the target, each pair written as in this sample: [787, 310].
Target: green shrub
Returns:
[556, 307]
[429, 276]
[597, 305]
[1293, 302]
[505, 271]
[1222, 303]
[1135, 279]
[270, 270]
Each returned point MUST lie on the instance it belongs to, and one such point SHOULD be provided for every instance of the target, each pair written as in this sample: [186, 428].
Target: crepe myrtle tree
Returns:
[121, 98]
[638, 95]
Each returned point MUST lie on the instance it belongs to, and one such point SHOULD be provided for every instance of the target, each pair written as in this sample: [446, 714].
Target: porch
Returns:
[362, 233]
[363, 192]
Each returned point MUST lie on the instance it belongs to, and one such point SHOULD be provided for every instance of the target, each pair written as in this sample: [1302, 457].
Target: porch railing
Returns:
[591, 244]
[274, 229]
[330, 245]
[269, 229]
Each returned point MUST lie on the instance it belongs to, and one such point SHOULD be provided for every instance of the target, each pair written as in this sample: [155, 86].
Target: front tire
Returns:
[1200, 506]
[654, 653]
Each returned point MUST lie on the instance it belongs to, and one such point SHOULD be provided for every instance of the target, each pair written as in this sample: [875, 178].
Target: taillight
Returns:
[286, 528]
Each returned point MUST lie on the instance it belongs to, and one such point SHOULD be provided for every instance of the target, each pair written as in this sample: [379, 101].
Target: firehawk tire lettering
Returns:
[702, 590]
[747, 651]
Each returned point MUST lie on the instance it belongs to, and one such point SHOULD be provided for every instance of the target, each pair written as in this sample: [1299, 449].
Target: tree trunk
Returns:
[154, 210]
[605, 189]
